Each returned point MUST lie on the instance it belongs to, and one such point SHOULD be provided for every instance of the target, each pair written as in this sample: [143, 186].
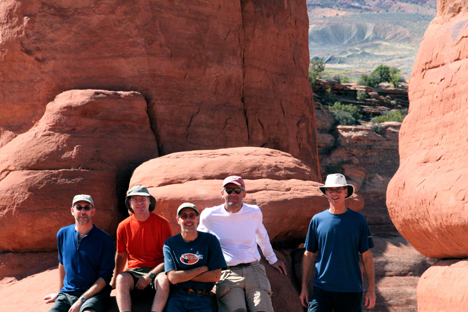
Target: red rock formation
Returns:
[220, 74]
[443, 287]
[88, 141]
[283, 186]
[427, 197]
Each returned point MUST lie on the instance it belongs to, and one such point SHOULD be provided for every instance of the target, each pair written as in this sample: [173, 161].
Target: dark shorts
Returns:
[97, 302]
[328, 301]
[150, 290]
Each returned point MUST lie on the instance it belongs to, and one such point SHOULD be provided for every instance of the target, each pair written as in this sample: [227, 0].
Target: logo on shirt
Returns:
[190, 258]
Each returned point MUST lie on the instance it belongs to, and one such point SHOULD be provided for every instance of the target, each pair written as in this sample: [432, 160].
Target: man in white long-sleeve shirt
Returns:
[239, 229]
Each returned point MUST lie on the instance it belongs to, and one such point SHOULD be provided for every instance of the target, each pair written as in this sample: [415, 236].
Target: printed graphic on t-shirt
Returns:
[190, 258]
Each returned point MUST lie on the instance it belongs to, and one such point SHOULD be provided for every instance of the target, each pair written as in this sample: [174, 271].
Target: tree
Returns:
[317, 66]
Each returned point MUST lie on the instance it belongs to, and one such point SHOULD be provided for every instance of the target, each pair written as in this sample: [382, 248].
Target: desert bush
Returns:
[377, 128]
[398, 115]
[316, 69]
[344, 118]
[351, 109]
[345, 79]
[337, 78]
[361, 95]
[381, 73]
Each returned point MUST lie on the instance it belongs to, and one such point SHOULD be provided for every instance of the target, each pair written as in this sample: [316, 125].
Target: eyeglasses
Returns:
[191, 215]
[229, 190]
[87, 208]
[138, 200]
[335, 190]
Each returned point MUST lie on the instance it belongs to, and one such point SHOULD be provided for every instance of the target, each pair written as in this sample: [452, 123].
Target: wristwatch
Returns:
[83, 299]
[152, 275]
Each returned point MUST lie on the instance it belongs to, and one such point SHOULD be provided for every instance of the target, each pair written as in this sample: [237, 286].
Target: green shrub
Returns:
[361, 95]
[344, 118]
[377, 128]
[345, 79]
[351, 109]
[312, 78]
[337, 78]
[390, 116]
[381, 73]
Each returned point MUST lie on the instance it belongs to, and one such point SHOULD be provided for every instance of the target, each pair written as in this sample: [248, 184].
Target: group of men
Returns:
[217, 247]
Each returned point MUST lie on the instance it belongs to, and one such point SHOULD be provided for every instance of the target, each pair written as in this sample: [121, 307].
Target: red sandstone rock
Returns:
[88, 141]
[443, 287]
[216, 75]
[427, 198]
[283, 186]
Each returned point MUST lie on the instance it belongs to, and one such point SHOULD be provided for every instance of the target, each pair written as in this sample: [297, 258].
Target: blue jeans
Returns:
[328, 301]
[185, 301]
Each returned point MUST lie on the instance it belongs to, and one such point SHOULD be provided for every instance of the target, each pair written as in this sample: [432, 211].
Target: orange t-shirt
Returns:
[143, 241]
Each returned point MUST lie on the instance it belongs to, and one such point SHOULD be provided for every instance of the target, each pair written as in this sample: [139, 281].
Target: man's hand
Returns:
[50, 297]
[370, 299]
[143, 281]
[304, 297]
[76, 306]
[279, 266]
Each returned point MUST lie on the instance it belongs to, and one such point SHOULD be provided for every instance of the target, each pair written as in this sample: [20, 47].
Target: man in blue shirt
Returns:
[336, 238]
[86, 262]
[193, 262]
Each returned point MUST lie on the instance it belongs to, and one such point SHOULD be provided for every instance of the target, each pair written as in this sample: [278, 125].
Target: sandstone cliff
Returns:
[215, 74]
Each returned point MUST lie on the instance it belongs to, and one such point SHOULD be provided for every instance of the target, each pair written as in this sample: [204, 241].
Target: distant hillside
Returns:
[356, 36]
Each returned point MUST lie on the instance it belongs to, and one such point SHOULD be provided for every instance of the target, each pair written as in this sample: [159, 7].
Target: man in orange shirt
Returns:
[140, 241]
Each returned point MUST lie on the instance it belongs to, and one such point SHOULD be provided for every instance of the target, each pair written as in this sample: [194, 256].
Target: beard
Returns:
[83, 220]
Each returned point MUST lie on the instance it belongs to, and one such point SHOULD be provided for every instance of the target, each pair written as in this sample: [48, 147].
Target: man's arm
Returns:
[93, 290]
[181, 276]
[307, 262]
[51, 297]
[369, 269]
[120, 262]
[263, 240]
[208, 277]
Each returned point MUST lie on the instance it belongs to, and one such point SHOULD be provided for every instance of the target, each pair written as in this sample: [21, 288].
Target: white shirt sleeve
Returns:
[263, 240]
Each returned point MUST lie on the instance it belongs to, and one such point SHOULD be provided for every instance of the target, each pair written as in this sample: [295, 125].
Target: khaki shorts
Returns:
[244, 288]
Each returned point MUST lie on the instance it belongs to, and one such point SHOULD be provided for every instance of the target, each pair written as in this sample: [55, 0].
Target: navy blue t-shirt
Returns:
[181, 255]
[86, 261]
[338, 239]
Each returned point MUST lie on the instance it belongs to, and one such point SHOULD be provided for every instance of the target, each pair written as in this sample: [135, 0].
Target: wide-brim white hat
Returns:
[337, 180]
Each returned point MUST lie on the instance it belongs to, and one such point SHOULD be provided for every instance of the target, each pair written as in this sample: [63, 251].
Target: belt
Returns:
[196, 291]
[242, 265]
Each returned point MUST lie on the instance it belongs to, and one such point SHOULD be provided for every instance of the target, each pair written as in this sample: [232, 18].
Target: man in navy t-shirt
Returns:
[86, 262]
[193, 262]
[337, 237]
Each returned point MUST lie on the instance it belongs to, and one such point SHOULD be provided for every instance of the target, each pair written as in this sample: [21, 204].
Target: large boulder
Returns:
[222, 74]
[284, 187]
[427, 198]
[88, 141]
[443, 287]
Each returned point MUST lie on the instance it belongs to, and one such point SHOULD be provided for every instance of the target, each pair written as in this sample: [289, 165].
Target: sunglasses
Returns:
[191, 215]
[229, 190]
[87, 208]
[331, 190]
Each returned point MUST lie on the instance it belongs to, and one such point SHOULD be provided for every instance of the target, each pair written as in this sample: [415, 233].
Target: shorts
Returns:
[97, 302]
[244, 288]
[328, 301]
[150, 290]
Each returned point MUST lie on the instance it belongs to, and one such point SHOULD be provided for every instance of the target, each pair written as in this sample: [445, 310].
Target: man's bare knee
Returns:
[125, 281]
[162, 281]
